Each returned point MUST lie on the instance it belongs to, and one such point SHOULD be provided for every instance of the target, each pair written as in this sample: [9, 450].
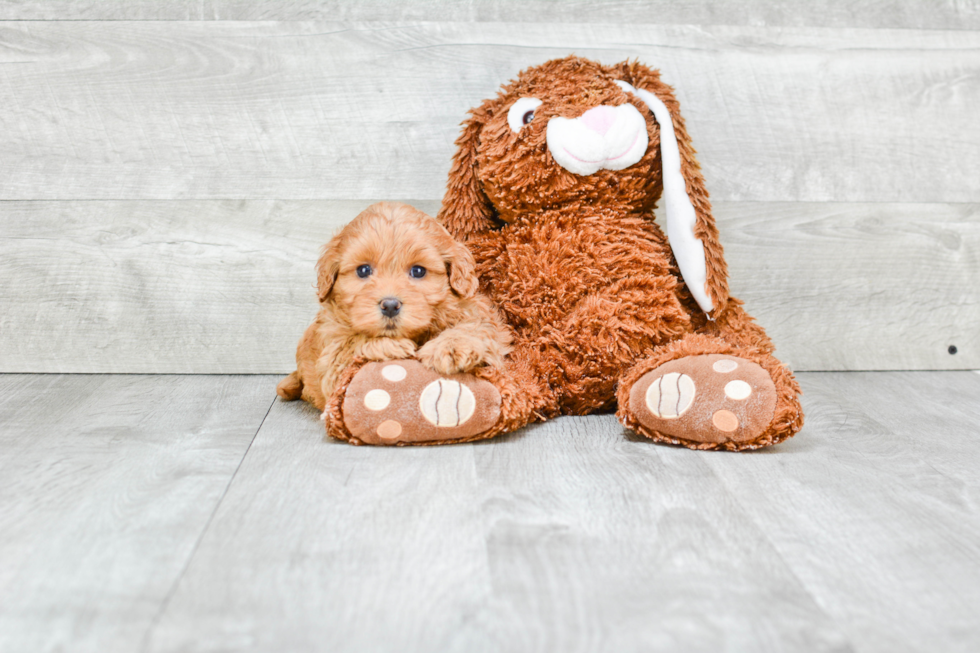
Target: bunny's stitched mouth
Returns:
[618, 156]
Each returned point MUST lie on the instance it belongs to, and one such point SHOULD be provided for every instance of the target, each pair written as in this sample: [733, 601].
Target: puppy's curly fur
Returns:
[393, 255]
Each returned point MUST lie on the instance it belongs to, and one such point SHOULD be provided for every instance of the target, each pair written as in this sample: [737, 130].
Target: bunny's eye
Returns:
[522, 112]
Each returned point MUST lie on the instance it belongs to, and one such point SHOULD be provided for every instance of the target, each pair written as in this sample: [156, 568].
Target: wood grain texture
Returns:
[161, 287]
[859, 286]
[612, 543]
[35, 10]
[344, 548]
[106, 485]
[569, 536]
[875, 506]
[859, 534]
[196, 110]
[945, 14]
[227, 287]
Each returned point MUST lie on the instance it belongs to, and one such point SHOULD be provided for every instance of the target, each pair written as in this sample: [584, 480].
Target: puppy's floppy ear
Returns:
[691, 227]
[466, 209]
[461, 268]
[328, 267]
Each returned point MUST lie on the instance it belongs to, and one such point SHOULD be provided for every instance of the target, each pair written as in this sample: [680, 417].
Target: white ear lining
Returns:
[681, 217]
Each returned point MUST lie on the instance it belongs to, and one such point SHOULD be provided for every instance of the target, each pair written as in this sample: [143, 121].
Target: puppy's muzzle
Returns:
[390, 307]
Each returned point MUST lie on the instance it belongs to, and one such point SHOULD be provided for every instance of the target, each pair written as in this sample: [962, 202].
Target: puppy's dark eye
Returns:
[528, 117]
[417, 271]
[364, 271]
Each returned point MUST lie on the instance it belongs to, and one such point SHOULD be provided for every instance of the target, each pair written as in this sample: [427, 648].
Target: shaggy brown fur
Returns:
[577, 265]
[442, 321]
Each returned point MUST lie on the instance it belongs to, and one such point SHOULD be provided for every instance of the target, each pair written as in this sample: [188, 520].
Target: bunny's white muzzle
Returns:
[602, 138]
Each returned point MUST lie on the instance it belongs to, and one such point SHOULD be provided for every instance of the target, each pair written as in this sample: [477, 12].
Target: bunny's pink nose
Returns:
[599, 119]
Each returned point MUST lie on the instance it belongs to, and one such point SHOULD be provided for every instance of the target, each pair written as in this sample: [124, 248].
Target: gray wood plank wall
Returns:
[935, 14]
[226, 286]
[164, 185]
[271, 110]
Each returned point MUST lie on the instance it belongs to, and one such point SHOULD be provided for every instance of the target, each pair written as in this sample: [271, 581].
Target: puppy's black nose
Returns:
[390, 306]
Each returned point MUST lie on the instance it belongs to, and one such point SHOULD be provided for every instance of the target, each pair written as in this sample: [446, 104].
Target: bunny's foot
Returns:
[710, 401]
[403, 402]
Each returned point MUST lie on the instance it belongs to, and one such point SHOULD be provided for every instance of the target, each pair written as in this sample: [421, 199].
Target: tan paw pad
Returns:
[671, 395]
[394, 372]
[389, 430]
[724, 366]
[725, 420]
[738, 390]
[377, 399]
[447, 403]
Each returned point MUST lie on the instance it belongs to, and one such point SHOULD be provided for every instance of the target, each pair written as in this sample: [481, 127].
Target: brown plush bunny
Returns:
[552, 189]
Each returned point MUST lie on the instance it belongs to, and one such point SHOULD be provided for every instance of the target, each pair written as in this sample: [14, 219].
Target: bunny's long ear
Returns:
[691, 227]
[466, 209]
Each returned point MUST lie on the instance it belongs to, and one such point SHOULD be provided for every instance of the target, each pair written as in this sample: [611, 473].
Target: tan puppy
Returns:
[394, 284]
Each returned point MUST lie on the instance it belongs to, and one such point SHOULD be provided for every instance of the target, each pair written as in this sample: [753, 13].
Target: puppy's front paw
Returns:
[383, 349]
[451, 354]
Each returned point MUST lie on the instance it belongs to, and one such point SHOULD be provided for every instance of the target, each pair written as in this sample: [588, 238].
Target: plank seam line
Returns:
[173, 588]
[821, 604]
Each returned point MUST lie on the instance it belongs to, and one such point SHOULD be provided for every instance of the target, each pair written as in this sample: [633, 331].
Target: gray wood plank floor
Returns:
[182, 513]
[106, 484]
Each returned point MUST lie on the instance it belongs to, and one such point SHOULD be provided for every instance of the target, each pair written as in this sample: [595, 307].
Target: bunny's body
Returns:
[602, 294]
[552, 189]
